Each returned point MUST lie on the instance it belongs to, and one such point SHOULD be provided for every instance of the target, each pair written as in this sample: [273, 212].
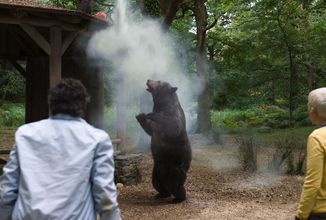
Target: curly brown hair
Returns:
[68, 96]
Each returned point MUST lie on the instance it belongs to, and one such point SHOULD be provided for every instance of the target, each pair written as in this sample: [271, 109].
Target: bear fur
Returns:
[170, 145]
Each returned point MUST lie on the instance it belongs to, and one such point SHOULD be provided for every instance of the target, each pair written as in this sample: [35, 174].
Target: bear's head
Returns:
[160, 90]
[160, 87]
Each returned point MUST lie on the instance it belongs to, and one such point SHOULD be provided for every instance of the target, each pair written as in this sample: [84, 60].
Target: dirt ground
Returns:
[216, 188]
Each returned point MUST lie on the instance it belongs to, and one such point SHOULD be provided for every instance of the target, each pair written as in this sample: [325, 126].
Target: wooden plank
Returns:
[8, 57]
[4, 151]
[55, 56]
[37, 85]
[3, 37]
[122, 119]
[27, 44]
[37, 37]
[116, 141]
[67, 41]
[42, 22]
[18, 67]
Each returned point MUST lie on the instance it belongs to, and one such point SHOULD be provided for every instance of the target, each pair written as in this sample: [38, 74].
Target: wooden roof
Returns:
[35, 13]
[29, 3]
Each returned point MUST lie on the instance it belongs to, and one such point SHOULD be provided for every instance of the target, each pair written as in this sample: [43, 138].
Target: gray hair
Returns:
[317, 101]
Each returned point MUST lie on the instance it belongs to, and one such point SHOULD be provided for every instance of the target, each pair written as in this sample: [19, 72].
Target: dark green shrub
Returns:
[11, 114]
[248, 147]
[301, 117]
[12, 86]
[265, 115]
[290, 152]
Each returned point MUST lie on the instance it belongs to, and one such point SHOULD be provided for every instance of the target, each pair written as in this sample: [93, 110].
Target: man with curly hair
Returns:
[60, 168]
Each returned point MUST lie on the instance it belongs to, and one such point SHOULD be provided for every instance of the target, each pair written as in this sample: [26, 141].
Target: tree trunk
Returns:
[204, 102]
[310, 70]
[293, 96]
[293, 84]
[169, 10]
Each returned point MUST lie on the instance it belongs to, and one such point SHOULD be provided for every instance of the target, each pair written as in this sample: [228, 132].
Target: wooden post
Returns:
[55, 55]
[122, 118]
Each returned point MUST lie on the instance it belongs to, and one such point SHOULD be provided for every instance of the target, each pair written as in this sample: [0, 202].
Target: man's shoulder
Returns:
[97, 132]
[32, 126]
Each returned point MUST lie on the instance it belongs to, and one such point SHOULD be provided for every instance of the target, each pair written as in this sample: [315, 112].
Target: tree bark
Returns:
[293, 96]
[169, 9]
[204, 102]
[310, 70]
[293, 84]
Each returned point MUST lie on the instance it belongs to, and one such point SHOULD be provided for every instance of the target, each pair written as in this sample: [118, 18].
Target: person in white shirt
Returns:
[60, 168]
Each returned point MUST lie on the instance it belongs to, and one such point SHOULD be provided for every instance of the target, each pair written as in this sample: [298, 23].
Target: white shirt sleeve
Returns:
[9, 185]
[102, 179]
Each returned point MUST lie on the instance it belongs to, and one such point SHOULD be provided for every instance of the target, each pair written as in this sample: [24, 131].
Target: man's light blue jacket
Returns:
[59, 168]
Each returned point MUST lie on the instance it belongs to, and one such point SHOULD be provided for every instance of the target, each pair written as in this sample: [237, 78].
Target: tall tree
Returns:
[204, 101]
[169, 10]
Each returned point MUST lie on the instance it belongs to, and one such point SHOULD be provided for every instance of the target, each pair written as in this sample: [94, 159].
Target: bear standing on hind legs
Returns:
[169, 141]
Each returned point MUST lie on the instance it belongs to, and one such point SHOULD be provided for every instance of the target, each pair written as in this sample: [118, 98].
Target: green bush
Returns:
[258, 116]
[292, 150]
[12, 86]
[11, 114]
[248, 148]
[301, 116]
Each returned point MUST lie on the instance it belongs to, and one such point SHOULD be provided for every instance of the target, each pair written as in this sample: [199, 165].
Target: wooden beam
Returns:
[55, 56]
[8, 57]
[18, 67]
[37, 37]
[4, 42]
[67, 41]
[25, 43]
[4, 151]
[41, 22]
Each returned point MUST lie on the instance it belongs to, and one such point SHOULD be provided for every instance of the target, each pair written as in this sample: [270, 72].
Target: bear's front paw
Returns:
[141, 117]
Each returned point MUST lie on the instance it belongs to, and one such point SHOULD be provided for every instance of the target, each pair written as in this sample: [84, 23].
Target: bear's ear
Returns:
[174, 89]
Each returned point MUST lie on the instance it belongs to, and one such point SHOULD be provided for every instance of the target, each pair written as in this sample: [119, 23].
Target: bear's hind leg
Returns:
[178, 178]
[180, 195]
[158, 177]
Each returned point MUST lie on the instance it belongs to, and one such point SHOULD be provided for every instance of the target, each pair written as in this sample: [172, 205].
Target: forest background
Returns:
[257, 59]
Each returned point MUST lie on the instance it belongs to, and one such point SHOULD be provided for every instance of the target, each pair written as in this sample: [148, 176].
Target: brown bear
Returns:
[169, 141]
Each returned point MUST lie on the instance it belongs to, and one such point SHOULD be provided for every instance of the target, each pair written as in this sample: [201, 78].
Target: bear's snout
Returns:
[149, 84]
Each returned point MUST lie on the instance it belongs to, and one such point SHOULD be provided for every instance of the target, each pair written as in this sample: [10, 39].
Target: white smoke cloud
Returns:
[137, 50]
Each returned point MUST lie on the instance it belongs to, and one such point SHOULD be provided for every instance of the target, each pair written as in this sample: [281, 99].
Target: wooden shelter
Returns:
[52, 42]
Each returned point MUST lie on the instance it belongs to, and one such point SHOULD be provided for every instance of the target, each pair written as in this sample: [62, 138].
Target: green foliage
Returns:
[69, 4]
[96, 5]
[110, 120]
[251, 52]
[248, 147]
[11, 114]
[152, 8]
[290, 152]
[260, 116]
[12, 86]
